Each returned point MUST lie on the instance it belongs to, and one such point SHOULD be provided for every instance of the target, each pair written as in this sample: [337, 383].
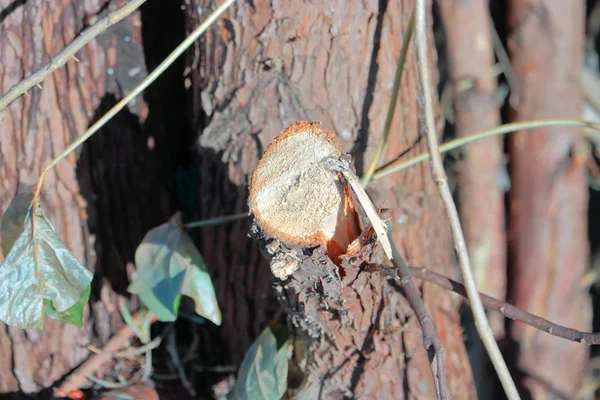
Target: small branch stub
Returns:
[296, 199]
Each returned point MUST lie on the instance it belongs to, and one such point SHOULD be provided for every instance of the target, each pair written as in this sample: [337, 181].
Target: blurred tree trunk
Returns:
[88, 196]
[468, 24]
[266, 65]
[470, 55]
[548, 201]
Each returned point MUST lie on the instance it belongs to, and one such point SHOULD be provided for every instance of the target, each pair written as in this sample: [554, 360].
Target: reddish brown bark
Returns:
[266, 66]
[471, 57]
[37, 128]
[548, 200]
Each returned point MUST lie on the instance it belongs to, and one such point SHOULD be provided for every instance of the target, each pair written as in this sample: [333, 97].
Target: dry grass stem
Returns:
[439, 176]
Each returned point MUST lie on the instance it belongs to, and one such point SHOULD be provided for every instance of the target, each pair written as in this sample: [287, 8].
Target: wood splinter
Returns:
[303, 195]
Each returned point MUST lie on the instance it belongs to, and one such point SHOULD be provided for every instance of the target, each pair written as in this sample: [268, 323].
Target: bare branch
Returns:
[508, 310]
[439, 176]
[68, 52]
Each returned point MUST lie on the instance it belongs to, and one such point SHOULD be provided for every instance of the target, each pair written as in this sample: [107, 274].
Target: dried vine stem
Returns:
[68, 52]
[216, 221]
[592, 133]
[431, 338]
[368, 175]
[166, 63]
[439, 176]
[508, 310]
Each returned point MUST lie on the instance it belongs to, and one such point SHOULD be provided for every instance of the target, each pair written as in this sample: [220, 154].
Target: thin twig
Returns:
[216, 221]
[508, 310]
[499, 130]
[368, 175]
[108, 384]
[431, 338]
[147, 366]
[439, 176]
[135, 351]
[139, 331]
[172, 350]
[68, 52]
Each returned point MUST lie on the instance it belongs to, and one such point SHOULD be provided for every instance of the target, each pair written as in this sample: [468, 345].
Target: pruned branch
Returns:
[431, 339]
[439, 176]
[68, 52]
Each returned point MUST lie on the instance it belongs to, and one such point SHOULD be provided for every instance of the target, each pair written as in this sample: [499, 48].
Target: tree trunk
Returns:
[266, 65]
[548, 201]
[88, 198]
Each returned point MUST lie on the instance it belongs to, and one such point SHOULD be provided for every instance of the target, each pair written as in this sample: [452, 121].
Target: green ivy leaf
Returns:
[74, 315]
[263, 373]
[163, 299]
[37, 271]
[161, 310]
[166, 252]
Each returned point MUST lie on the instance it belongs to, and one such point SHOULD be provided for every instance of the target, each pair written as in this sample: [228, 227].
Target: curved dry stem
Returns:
[68, 52]
[439, 176]
[499, 130]
[393, 101]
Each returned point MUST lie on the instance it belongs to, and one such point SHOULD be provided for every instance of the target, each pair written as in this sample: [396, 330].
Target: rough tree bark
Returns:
[266, 65]
[548, 200]
[36, 128]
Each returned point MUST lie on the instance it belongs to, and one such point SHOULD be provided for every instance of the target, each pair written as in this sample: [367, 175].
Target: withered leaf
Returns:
[39, 274]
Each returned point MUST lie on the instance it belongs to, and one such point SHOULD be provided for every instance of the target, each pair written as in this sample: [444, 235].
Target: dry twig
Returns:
[68, 52]
[96, 361]
[508, 310]
[172, 349]
[431, 338]
[439, 176]
[591, 132]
